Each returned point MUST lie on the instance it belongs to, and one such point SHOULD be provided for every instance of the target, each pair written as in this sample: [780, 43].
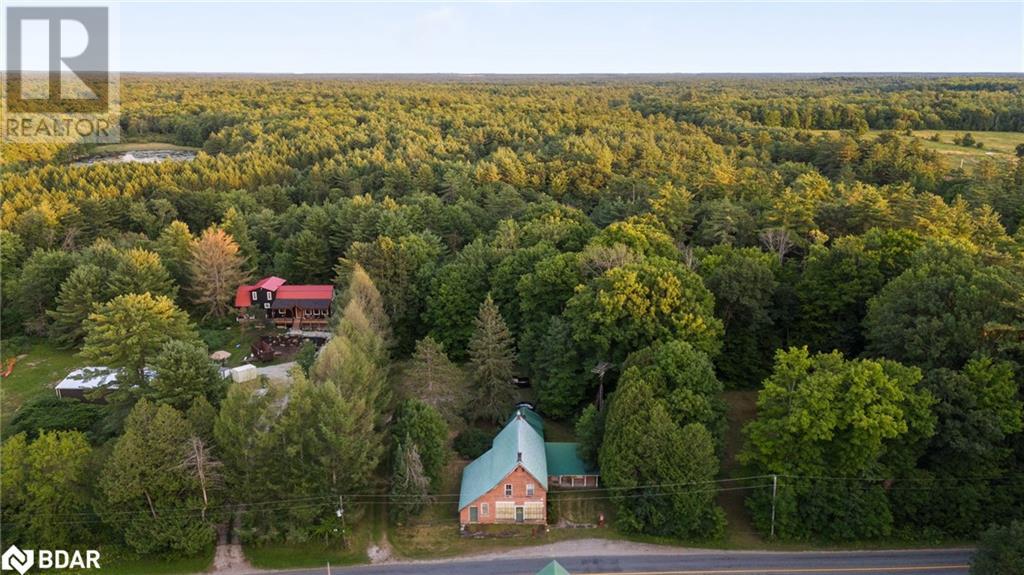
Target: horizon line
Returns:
[732, 73]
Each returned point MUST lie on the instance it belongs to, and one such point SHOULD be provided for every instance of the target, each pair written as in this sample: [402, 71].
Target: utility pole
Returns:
[775, 488]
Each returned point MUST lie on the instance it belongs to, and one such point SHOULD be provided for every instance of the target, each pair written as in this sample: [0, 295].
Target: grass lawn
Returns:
[40, 365]
[157, 566]
[235, 339]
[312, 554]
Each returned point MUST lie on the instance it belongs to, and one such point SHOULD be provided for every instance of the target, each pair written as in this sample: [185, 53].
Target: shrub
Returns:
[1000, 551]
[56, 414]
[472, 443]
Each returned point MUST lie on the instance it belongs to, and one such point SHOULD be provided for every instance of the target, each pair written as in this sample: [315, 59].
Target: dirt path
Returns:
[229, 558]
[279, 372]
[741, 407]
[380, 550]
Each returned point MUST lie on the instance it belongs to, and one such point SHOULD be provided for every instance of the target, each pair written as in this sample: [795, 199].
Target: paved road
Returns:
[916, 562]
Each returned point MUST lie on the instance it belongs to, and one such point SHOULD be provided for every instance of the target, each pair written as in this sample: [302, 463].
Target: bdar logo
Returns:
[17, 560]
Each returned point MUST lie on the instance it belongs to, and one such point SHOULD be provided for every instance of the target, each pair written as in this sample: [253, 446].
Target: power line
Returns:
[370, 498]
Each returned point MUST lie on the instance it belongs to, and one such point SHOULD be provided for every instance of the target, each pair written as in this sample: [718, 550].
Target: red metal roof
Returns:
[318, 292]
[270, 283]
[242, 296]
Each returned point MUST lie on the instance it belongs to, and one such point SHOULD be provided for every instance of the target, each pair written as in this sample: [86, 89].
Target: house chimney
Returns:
[519, 457]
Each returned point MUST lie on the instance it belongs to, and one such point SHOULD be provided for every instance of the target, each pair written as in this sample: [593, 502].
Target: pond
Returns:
[139, 156]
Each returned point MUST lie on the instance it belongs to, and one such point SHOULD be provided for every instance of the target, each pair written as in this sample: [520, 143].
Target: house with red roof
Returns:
[301, 307]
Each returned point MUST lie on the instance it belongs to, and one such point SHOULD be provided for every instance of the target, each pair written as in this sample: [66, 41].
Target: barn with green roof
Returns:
[510, 481]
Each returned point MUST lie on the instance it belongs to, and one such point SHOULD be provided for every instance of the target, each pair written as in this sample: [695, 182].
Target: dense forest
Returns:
[633, 246]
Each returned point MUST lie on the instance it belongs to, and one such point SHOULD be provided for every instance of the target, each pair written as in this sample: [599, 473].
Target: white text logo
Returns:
[21, 560]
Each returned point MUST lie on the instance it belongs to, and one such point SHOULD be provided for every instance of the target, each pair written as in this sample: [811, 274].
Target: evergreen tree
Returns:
[130, 329]
[434, 379]
[409, 483]
[659, 472]
[84, 288]
[423, 428]
[236, 227]
[184, 372]
[175, 248]
[202, 416]
[39, 285]
[139, 272]
[491, 360]
[149, 496]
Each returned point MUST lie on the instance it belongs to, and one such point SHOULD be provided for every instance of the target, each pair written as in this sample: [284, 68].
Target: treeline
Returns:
[858, 104]
[631, 261]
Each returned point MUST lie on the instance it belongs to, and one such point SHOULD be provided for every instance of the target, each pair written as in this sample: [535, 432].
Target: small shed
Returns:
[244, 373]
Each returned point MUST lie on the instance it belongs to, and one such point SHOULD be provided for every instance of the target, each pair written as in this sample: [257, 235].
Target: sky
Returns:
[571, 37]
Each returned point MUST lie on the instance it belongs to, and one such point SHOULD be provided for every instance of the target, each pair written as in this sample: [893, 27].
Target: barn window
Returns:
[533, 511]
[254, 295]
[508, 490]
[484, 509]
[504, 511]
[529, 490]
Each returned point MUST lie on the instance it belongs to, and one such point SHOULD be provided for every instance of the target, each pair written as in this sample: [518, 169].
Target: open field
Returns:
[996, 145]
[39, 367]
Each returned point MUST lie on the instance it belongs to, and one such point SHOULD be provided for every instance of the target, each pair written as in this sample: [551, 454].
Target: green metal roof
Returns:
[518, 437]
[531, 417]
[553, 568]
[564, 459]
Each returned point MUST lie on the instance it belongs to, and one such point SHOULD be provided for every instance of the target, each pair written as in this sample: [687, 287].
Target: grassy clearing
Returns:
[39, 367]
[996, 145]
[574, 508]
[994, 142]
[741, 407]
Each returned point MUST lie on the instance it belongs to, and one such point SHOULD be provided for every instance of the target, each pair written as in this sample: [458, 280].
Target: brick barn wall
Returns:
[518, 478]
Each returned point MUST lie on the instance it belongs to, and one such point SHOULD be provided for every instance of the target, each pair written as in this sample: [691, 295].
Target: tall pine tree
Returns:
[492, 360]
